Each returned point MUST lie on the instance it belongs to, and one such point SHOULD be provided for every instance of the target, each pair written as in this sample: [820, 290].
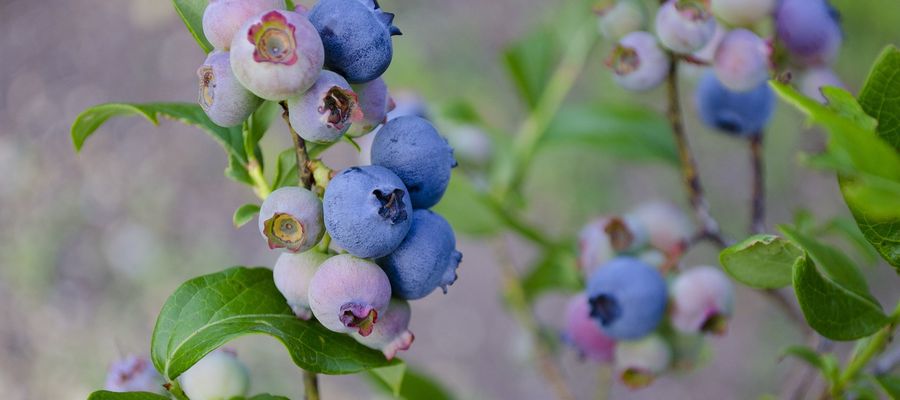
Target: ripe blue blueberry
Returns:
[638, 63]
[684, 26]
[639, 362]
[620, 18]
[427, 258]
[292, 274]
[357, 37]
[291, 219]
[374, 103]
[809, 29]
[628, 298]
[583, 333]
[218, 375]
[391, 334]
[702, 300]
[349, 294]
[133, 374]
[742, 60]
[326, 110]
[222, 97]
[413, 149]
[277, 55]
[738, 113]
[742, 12]
[222, 18]
[367, 211]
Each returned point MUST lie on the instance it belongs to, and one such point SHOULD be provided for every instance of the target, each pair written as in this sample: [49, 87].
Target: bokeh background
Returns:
[91, 244]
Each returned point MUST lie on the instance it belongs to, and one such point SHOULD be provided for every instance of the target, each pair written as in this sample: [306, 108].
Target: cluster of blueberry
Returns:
[733, 96]
[638, 306]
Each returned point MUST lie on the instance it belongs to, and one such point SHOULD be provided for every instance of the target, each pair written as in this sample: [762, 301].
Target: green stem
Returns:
[519, 226]
[174, 389]
[876, 345]
[254, 169]
[310, 385]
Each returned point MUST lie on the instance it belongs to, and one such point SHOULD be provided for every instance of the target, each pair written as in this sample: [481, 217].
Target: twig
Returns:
[758, 203]
[303, 171]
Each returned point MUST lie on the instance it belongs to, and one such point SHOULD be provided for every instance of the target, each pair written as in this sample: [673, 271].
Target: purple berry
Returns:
[326, 110]
[222, 18]
[627, 297]
[737, 113]
[809, 29]
[348, 294]
[702, 300]
[219, 375]
[391, 334]
[620, 18]
[222, 97]
[425, 260]
[638, 63]
[742, 12]
[292, 274]
[133, 374]
[684, 26]
[291, 219]
[374, 103]
[638, 363]
[357, 37]
[742, 60]
[815, 78]
[667, 226]
[277, 55]
[583, 333]
[367, 211]
[413, 149]
[603, 237]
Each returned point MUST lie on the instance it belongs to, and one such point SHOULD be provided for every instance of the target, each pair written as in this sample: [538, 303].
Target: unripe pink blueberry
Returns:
[742, 12]
[133, 374]
[684, 26]
[742, 60]
[277, 54]
[667, 226]
[219, 375]
[292, 274]
[391, 334]
[291, 218]
[620, 18]
[222, 97]
[602, 238]
[326, 110]
[348, 294]
[638, 63]
[639, 362]
[702, 300]
[222, 18]
[374, 103]
[583, 333]
[815, 78]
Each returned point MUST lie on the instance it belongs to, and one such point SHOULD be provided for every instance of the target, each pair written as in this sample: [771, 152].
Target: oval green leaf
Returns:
[761, 261]
[244, 214]
[208, 311]
[107, 395]
[191, 12]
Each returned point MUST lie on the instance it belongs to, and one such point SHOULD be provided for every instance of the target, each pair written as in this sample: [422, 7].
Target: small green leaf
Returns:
[890, 384]
[827, 364]
[466, 209]
[191, 12]
[761, 261]
[415, 386]
[244, 214]
[286, 170]
[530, 63]
[878, 96]
[832, 310]
[107, 395]
[290, 5]
[554, 271]
[844, 104]
[391, 376]
[208, 311]
[237, 171]
[625, 131]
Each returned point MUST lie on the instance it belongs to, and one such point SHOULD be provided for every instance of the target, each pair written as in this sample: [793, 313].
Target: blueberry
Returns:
[742, 60]
[218, 375]
[667, 226]
[357, 37]
[627, 297]
[702, 300]
[391, 334]
[815, 78]
[222, 18]
[374, 103]
[277, 55]
[222, 97]
[291, 219]
[638, 63]
[349, 294]
[292, 274]
[603, 237]
[413, 149]
[684, 26]
[367, 211]
[583, 333]
[638, 363]
[133, 374]
[326, 110]
[427, 258]
[620, 18]
[809, 29]
[738, 113]
[742, 12]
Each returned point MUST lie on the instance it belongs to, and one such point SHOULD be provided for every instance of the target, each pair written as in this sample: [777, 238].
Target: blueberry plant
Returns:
[356, 245]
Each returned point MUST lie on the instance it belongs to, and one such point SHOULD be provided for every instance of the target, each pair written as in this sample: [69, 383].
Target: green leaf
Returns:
[391, 377]
[107, 395]
[761, 261]
[625, 131]
[530, 63]
[465, 207]
[848, 229]
[244, 214]
[844, 104]
[208, 311]
[414, 386]
[286, 170]
[267, 397]
[290, 5]
[878, 96]
[554, 271]
[890, 384]
[827, 364]
[237, 171]
[830, 308]
[191, 12]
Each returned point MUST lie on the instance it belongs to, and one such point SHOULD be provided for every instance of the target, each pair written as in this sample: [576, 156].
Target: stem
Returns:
[303, 171]
[260, 186]
[876, 345]
[310, 385]
[515, 223]
[174, 389]
[758, 203]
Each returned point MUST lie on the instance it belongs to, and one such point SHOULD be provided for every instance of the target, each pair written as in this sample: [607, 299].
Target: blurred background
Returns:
[92, 244]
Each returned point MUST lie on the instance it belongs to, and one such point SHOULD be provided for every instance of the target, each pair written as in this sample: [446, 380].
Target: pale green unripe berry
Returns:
[218, 376]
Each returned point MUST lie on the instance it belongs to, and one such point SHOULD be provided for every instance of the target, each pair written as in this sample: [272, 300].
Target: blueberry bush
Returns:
[357, 245]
